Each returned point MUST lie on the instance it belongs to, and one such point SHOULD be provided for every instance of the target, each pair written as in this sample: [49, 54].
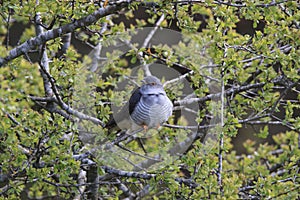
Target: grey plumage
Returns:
[153, 107]
[148, 105]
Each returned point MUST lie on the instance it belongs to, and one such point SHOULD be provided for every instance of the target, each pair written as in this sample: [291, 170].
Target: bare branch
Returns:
[97, 49]
[126, 191]
[44, 60]
[178, 78]
[81, 181]
[147, 41]
[231, 91]
[153, 31]
[187, 182]
[221, 134]
[138, 154]
[127, 173]
[131, 174]
[43, 99]
[92, 179]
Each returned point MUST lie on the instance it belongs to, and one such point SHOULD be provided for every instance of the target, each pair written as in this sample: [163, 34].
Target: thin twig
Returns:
[43, 99]
[146, 43]
[221, 134]
[178, 78]
[138, 154]
[153, 31]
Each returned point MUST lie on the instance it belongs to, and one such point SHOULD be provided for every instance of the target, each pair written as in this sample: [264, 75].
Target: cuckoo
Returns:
[148, 107]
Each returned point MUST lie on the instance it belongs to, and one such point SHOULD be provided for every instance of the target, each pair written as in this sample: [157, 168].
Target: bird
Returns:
[148, 107]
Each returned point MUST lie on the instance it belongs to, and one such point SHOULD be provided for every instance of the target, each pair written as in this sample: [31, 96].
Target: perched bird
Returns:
[148, 107]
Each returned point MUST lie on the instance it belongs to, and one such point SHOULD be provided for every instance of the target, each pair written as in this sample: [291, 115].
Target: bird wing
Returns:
[134, 100]
[123, 114]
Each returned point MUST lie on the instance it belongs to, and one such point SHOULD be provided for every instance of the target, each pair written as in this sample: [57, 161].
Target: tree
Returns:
[56, 98]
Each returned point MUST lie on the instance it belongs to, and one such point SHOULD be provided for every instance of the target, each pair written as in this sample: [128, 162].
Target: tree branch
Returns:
[146, 43]
[92, 179]
[231, 91]
[221, 134]
[122, 173]
[127, 173]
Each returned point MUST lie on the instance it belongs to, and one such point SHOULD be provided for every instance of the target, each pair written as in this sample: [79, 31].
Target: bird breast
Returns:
[153, 109]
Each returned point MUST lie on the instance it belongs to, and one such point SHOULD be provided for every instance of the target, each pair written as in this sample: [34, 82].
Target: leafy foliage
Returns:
[49, 141]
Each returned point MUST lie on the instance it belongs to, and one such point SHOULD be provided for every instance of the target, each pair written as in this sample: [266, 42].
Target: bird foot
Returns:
[145, 127]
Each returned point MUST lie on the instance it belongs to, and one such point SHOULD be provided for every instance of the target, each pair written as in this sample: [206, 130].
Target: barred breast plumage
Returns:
[148, 105]
[152, 106]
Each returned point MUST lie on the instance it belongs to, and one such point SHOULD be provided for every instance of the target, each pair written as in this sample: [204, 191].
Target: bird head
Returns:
[151, 80]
